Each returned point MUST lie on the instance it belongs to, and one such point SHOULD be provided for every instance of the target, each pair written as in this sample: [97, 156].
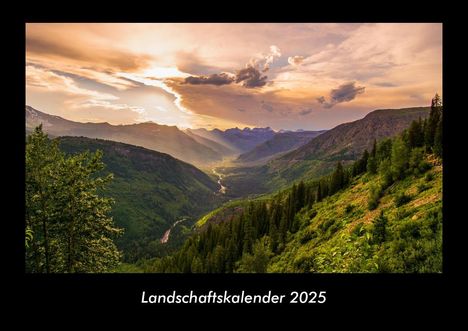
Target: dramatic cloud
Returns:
[215, 75]
[274, 53]
[250, 77]
[344, 93]
[214, 79]
[295, 60]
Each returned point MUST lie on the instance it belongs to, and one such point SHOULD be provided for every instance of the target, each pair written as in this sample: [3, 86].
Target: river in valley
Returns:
[165, 237]
[222, 188]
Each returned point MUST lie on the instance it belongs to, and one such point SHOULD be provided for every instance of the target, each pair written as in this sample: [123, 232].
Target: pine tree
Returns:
[379, 231]
[300, 196]
[374, 149]
[318, 195]
[372, 165]
[400, 158]
[416, 134]
[336, 182]
[433, 121]
[438, 139]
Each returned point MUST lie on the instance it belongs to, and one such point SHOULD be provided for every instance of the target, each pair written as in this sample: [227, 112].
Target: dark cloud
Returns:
[305, 112]
[250, 77]
[344, 93]
[214, 79]
[241, 109]
[321, 99]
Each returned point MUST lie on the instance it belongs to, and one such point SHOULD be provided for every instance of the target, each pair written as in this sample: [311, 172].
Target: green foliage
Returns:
[401, 199]
[374, 196]
[151, 191]
[417, 162]
[324, 226]
[438, 143]
[256, 262]
[372, 165]
[349, 208]
[399, 158]
[72, 229]
[379, 229]
[429, 177]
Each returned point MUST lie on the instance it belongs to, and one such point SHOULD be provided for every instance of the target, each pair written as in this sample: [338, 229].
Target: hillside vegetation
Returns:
[383, 213]
[152, 191]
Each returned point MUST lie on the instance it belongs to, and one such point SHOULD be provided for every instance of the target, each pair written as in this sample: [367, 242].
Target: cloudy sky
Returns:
[286, 76]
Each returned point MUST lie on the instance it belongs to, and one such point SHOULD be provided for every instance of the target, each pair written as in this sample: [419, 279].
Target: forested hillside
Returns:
[381, 214]
[151, 190]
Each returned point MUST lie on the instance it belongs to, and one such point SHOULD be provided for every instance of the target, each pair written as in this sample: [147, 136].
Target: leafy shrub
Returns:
[379, 230]
[349, 208]
[417, 162]
[402, 199]
[401, 213]
[304, 263]
[410, 229]
[429, 177]
[326, 225]
[422, 187]
[374, 196]
[358, 230]
[308, 236]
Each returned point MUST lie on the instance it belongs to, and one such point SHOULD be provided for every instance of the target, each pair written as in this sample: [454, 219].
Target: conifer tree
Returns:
[337, 179]
[318, 195]
[438, 139]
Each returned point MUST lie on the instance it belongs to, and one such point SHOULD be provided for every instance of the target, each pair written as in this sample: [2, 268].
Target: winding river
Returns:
[165, 237]
[222, 188]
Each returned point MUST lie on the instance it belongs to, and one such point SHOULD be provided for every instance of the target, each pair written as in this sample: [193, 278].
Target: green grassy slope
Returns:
[336, 235]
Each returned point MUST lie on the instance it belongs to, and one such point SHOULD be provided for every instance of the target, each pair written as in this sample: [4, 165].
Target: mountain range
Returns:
[344, 143]
[281, 143]
[238, 140]
[198, 146]
[161, 138]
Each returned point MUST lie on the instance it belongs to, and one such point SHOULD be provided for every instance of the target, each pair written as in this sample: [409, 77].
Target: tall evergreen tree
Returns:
[438, 139]
[400, 158]
[433, 121]
[337, 179]
[318, 195]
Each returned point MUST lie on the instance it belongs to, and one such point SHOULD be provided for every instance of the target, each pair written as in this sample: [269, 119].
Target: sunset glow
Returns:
[286, 76]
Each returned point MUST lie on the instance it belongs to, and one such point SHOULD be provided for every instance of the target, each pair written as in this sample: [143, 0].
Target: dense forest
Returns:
[268, 233]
